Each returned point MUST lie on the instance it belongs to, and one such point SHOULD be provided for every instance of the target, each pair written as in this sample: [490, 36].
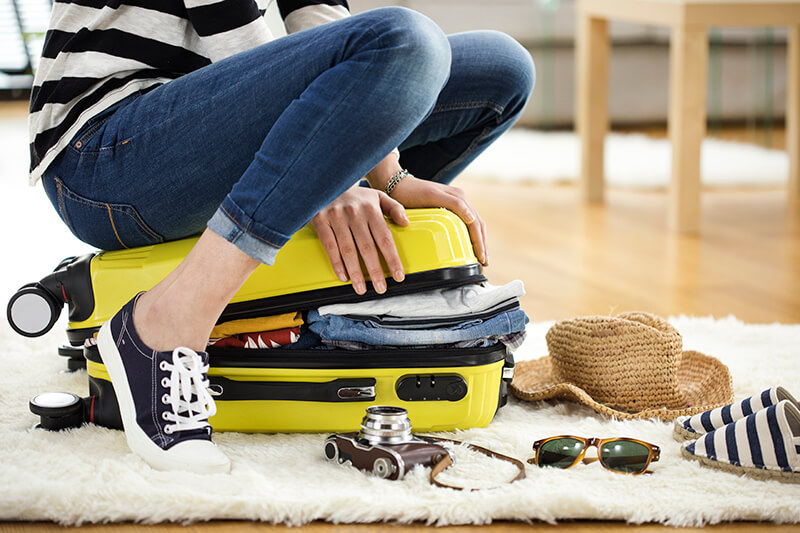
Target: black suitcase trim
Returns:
[303, 301]
[333, 359]
[331, 391]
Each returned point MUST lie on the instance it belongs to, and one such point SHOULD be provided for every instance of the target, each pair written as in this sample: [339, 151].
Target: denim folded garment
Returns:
[360, 346]
[308, 341]
[335, 327]
[512, 340]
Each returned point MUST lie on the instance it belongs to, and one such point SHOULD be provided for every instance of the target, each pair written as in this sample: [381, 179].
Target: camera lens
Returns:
[331, 451]
[386, 410]
[385, 424]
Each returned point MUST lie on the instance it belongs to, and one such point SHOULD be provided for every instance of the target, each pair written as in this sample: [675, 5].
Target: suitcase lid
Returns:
[435, 249]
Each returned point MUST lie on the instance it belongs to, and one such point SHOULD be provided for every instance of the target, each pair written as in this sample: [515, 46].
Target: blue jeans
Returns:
[335, 327]
[255, 145]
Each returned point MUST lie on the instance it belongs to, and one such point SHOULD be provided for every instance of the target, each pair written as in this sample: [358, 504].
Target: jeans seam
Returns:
[114, 226]
[94, 127]
[139, 222]
[311, 137]
[241, 227]
[105, 148]
[141, 225]
[457, 106]
[61, 206]
[88, 135]
[324, 328]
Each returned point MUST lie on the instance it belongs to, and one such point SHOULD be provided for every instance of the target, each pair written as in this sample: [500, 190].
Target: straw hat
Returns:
[627, 366]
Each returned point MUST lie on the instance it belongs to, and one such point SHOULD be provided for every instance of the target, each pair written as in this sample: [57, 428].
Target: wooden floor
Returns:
[578, 260]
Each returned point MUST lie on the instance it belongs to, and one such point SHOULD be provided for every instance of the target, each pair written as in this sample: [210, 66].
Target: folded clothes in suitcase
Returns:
[290, 390]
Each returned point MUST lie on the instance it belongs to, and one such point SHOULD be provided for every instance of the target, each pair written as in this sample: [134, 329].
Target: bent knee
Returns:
[421, 46]
[512, 63]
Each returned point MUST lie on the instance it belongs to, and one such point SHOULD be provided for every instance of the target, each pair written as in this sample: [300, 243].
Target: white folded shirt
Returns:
[436, 303]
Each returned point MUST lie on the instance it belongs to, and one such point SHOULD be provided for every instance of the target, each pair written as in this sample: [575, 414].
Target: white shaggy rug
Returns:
[631, 160]
[89, 475]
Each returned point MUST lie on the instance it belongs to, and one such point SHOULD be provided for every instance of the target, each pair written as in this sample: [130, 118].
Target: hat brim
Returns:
[703, 381]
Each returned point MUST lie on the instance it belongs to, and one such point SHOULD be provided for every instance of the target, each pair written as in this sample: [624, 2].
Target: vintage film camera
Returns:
[385, 445]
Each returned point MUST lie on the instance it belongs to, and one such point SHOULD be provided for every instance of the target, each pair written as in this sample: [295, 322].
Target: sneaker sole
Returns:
[138, 441]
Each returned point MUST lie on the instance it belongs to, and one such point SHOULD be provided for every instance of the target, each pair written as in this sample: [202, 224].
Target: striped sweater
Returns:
[97, 52]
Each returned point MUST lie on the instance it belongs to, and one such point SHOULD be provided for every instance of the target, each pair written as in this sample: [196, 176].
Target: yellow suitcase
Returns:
[278, 390]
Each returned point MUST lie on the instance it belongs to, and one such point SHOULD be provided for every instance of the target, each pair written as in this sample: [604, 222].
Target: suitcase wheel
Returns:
[75, 358]
[57, 410]
[32, 311]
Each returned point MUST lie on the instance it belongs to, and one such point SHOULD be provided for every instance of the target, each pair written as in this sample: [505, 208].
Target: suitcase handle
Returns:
[338, 390]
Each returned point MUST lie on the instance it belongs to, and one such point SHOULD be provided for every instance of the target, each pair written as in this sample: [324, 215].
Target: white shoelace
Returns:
[186, 380]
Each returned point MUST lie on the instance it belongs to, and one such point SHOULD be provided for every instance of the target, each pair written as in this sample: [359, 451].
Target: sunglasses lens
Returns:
[625, 456]
[560, 453]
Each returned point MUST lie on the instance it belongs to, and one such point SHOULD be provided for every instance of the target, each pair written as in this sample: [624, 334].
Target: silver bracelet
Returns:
[394, 180]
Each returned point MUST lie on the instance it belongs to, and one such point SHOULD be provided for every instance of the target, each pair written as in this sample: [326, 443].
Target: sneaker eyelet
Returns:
[165, 382]
[163, 365]
[165, 399]
[168, 430]
[164, 415]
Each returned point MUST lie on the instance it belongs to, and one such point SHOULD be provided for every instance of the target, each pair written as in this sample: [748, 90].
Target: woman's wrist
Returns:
[379, 176]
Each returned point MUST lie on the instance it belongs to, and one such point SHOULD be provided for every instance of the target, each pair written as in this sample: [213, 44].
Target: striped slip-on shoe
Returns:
[764, 445]
[694, 427]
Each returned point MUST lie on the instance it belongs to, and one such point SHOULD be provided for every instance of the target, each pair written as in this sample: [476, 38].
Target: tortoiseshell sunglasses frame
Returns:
[653, 455]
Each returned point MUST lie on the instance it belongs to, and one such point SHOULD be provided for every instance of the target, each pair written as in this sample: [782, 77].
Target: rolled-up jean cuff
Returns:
[230, 223]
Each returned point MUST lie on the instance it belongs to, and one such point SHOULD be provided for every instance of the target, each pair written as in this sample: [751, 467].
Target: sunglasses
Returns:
[621, 455]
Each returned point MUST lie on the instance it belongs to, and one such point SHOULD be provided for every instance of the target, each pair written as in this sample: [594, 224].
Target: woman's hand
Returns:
[414, 192]
[353, 224]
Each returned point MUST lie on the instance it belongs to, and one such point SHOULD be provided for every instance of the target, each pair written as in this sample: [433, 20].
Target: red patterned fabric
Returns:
[260, 340]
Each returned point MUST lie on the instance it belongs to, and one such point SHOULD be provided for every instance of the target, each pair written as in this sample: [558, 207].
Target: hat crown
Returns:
[629, 361]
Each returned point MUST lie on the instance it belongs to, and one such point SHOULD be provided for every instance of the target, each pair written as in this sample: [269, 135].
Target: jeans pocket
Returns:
[91, 139]
[106, 225]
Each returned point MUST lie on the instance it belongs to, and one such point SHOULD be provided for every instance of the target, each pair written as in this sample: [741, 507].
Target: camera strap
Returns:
[447, 461]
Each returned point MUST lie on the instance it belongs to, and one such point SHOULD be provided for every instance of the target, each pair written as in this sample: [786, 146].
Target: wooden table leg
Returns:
[793, 110]
[591, 104]
[687, 124]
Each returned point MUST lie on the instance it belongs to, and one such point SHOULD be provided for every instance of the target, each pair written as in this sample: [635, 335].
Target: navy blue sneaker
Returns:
[163, 399]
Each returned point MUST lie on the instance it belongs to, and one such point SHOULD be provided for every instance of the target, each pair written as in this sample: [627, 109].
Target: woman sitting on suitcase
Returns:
[156, 120]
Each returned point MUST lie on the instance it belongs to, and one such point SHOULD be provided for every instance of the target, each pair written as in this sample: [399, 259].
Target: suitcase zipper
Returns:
[333, 359]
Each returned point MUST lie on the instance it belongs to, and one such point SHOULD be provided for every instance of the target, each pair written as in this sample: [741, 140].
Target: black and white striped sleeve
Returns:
[301, 14]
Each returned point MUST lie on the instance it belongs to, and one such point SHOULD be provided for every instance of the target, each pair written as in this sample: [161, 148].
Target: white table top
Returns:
[697, 12]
